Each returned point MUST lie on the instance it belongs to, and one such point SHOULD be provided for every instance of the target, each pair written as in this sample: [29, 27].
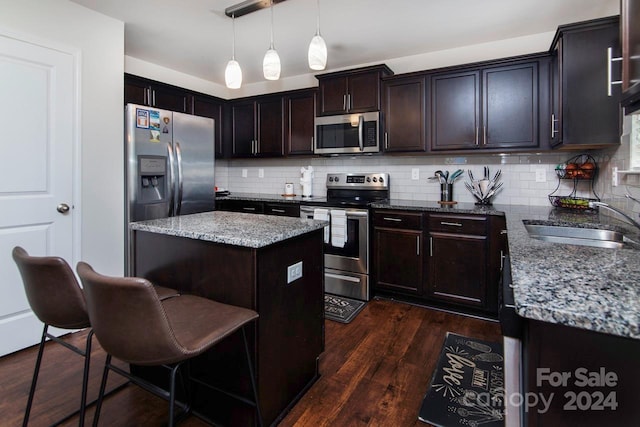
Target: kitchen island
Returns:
[243, 259]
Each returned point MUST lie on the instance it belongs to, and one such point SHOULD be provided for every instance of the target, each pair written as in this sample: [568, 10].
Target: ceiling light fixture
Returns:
[248, 6]
[233, 72]
[317, 48]
[271, 63]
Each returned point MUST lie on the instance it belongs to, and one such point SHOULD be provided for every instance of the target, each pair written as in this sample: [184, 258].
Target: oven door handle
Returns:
[357, 214]
[341, 277]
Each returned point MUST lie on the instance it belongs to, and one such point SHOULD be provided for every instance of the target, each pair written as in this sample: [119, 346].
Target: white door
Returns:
[37, 122]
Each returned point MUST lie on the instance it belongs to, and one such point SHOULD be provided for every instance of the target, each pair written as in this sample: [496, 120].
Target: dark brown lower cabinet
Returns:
[258, 207]
[458, 267]
[447, 260]
[586, 378]
[398, 252]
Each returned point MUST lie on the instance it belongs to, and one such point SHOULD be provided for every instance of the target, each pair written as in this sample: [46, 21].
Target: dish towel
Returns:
[322, 215]
[338, 228]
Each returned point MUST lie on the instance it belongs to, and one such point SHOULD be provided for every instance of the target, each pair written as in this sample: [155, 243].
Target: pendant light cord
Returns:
[271, 7]
[318, 20]
[233, 43]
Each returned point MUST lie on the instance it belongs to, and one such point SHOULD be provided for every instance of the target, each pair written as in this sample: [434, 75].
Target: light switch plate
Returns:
[294, 272]
[244, 173]
[541, 175]
[260, 173]
[415, 174]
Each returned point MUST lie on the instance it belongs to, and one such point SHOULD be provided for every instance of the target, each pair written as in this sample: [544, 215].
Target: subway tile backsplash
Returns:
[518, 174]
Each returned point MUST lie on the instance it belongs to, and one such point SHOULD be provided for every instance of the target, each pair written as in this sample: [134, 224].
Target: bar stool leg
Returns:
[85, 378]
[172, 393]
[34, 381]
[103, 385]
[253, 379]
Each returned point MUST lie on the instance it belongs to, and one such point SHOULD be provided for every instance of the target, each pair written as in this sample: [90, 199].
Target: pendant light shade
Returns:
[317, 53]
[317, 48]
[233, 72]
[271, 63]
[233, 75]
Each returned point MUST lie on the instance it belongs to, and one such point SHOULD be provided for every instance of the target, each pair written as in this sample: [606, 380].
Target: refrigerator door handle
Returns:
[179, 198]
[172, 179]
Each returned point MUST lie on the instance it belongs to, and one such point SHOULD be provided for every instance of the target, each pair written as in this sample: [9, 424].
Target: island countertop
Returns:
[231, 228]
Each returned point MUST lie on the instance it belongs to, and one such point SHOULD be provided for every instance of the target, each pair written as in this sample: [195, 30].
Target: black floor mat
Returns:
[467, 387]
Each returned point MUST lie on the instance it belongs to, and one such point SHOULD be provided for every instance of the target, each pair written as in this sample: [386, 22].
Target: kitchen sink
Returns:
[575, 235]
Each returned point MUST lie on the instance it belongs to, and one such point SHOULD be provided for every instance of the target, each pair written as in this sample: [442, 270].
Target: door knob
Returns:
[63, 208]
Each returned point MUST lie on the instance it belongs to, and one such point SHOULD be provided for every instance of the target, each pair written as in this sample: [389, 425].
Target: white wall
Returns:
[463, 55]
[100, 40]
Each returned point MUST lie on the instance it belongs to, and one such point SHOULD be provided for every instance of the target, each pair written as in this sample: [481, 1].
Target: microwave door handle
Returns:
[360, 132]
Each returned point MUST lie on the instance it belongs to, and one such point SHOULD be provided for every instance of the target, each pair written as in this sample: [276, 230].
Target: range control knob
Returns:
[381, 179]
[336, 179]
[368, 179]
[330, 179]
[375, 179]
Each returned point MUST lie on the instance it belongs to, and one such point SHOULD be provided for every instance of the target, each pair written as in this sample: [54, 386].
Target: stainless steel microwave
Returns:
[347, 134]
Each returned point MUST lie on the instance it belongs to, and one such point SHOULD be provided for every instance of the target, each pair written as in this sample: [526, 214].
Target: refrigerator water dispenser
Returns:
[152, 179]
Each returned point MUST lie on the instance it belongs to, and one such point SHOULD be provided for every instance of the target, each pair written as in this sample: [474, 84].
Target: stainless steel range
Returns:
[346, 246]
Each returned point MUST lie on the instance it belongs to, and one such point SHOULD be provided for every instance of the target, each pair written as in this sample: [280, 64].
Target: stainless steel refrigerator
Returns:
[169, 165]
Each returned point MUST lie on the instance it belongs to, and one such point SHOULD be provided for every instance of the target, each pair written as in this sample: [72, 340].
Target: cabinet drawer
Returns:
[240, 206]
[282, 209]
[463, 224]
[398, 219]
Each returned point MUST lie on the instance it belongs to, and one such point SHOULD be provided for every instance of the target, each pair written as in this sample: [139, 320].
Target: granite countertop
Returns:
[261, 197]
[584, 287]
[426, 206]
[231, 228]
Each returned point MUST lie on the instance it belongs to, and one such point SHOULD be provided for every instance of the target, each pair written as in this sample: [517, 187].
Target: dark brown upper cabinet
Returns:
[257, 127]
[455, 110]
[510, 106]
[630, 34]
[585, 101]
[404, 113]
[491, 107]
[142, 91]
[206, 106]
[300, 109]
[353, 91]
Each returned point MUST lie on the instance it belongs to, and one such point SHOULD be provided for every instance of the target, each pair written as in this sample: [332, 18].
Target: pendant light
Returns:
[271, 62]
[233, 73]
[317, 48]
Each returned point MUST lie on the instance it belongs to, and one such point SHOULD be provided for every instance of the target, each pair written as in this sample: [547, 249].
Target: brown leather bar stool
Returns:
[57, 300]
[133, 325]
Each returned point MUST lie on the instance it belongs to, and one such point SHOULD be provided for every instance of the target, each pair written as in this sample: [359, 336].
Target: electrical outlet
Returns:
[294, 272]
[415, 174]
[614, 176]
[260, 173]
[244, 173]
[541, 175]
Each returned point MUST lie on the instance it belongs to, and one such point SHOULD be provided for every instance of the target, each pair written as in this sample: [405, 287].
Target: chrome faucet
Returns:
[618, 211]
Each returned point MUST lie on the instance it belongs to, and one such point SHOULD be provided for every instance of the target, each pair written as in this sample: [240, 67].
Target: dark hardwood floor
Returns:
[375, 371]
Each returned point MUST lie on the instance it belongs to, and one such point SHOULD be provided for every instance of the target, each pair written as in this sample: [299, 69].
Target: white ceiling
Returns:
[194, 36]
